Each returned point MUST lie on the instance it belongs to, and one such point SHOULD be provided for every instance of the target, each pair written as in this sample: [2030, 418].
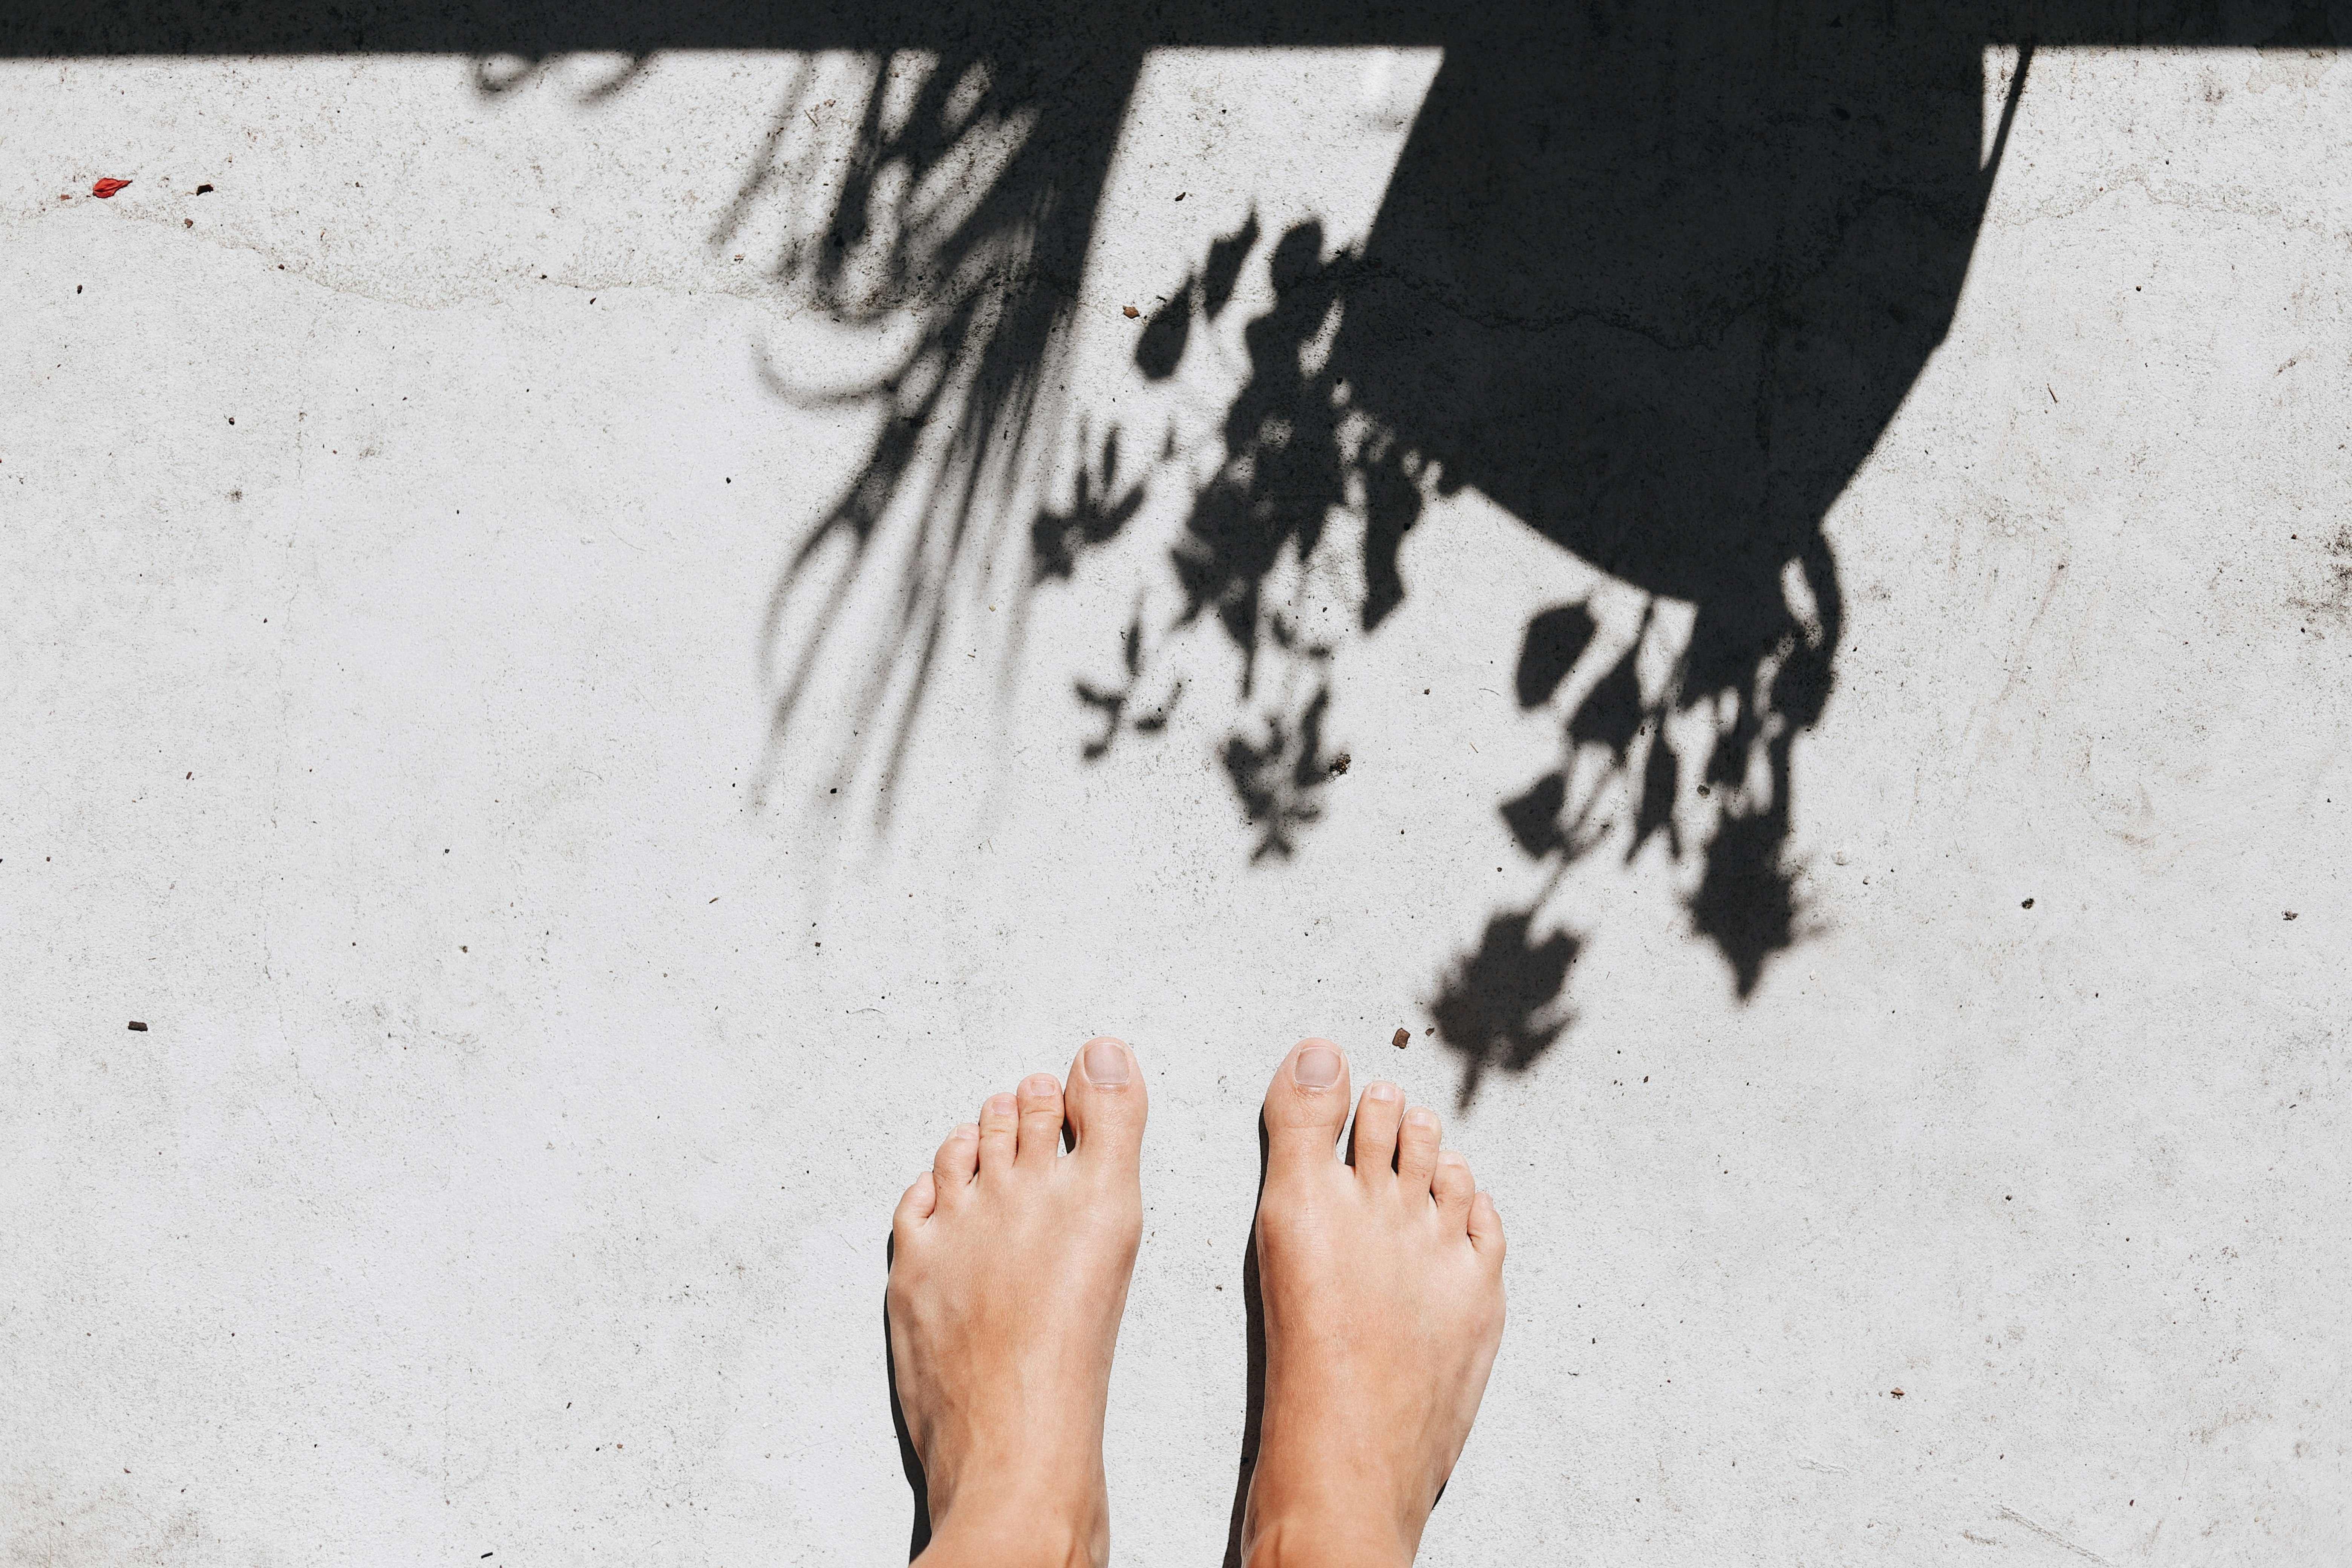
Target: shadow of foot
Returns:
[911, 1462]
[1253, 1417]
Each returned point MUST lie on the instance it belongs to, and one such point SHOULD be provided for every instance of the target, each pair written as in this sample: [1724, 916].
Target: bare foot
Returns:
[1383, 1293]
[1008, 1275]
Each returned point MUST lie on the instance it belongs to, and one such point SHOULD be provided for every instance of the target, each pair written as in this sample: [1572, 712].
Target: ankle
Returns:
[1011, 1530]
[1323, 1540]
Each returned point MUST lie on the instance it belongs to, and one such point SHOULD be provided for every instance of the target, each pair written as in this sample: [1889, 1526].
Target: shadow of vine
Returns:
[1655, 282]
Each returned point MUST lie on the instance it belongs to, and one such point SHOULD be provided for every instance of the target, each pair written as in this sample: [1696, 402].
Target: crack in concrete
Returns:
[2048, 1534]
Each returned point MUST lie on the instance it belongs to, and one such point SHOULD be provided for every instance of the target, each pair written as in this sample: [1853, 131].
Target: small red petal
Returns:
[105, 188]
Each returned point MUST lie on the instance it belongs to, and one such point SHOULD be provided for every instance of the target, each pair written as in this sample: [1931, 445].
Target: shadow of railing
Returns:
[1652, 279]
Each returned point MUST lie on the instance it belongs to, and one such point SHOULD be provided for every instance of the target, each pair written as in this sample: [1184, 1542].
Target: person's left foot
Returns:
[1008, 1275]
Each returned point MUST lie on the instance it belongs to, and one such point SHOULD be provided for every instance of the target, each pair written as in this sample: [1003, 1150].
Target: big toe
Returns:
[1307, 1103]
[1106, 1104]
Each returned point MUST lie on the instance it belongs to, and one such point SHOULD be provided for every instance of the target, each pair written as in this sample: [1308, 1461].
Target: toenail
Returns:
[1422, 1118]
[1450, 1158]
[1039, 1083]
[969, 1129]
[1002, 1105]
[1384, 1091]
[1107, 1064]
[1317, 1066]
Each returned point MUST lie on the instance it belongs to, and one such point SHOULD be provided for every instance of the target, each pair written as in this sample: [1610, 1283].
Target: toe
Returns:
[1106, 1103]
[1453, 1188]
[958, 1160]
[1000, 1120]
[1487, 1227]
[915, 1204]
[1307, 1103]
[1040, 1136]
[1417, 1150]
[1377, 1115]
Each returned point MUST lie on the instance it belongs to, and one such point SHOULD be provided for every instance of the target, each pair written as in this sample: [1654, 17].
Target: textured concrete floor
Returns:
[534, 1057]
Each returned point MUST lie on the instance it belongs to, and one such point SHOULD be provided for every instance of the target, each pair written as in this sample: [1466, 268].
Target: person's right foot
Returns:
[1383, 1297]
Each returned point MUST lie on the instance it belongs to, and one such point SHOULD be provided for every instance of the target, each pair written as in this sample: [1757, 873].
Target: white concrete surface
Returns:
[506, 1163]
